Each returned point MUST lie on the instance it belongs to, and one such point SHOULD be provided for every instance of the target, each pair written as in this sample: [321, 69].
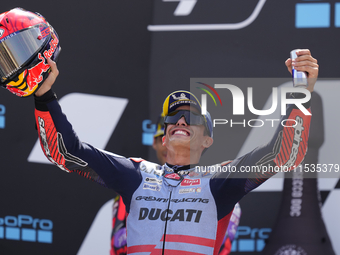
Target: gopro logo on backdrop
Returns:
[149, 130]
[249, 239]
[2, 116]
[316, 15]
[26, 228]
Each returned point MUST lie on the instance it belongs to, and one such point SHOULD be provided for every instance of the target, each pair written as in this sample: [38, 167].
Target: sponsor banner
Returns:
[26, 228]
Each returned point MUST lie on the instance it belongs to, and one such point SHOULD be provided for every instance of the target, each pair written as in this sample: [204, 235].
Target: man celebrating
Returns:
[172, 209]
[118, 242]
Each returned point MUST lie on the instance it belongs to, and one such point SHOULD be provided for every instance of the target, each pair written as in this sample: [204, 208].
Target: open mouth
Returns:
[181, 132]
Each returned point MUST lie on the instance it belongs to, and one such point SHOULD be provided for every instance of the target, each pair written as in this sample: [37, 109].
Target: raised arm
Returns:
[285, 151]
[62, 146]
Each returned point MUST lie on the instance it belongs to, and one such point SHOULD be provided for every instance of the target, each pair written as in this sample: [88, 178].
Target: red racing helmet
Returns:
[26, 41]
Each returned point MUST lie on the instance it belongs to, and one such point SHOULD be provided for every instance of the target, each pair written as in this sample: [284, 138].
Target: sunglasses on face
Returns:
[191, 118]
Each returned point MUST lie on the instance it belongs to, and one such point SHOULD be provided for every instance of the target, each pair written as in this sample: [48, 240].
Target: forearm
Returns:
[284, 152]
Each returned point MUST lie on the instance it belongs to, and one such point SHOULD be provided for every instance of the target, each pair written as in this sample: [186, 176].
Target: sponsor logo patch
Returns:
[173, 200]
[296, 142]
[153, 180]
[151, 187]
[193, 174]
[173, 176]
[190, 190]
[151, 170]
[190, 182]
[189, 215]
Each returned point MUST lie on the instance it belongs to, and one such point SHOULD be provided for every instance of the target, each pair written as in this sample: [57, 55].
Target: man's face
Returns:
[187, 136]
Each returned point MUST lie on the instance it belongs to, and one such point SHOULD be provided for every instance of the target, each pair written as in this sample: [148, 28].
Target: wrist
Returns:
[41, 91]
[42, 101]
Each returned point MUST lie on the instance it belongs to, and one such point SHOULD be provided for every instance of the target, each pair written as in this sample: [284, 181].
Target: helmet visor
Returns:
[18, 49]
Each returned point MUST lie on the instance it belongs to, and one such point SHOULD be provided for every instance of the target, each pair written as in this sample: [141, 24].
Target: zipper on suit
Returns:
[166, 222]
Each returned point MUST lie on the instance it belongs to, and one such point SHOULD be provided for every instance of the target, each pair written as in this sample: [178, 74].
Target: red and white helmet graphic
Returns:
[26, 41]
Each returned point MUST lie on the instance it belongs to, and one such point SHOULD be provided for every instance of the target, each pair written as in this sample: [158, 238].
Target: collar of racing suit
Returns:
[174, 175]
[181, 170]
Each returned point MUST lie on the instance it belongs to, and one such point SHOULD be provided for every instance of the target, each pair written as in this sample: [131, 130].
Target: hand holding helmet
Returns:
[27, 41]
[48, 82]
